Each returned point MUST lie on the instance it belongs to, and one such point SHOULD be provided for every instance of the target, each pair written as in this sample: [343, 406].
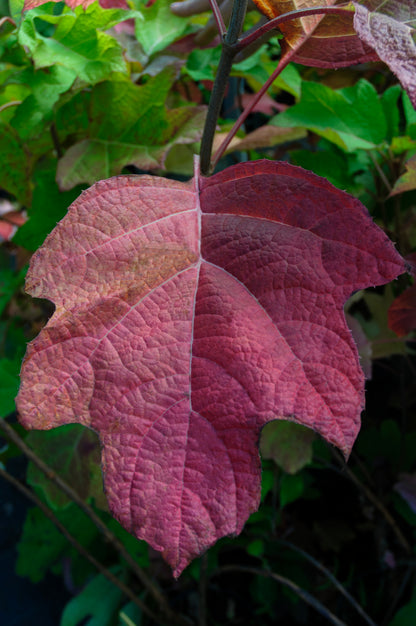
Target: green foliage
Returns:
[98, 601]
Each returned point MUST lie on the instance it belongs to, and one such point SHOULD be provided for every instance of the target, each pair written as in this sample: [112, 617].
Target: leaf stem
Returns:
[222, 30]
[373, 498]
[224, 145]
[146, 581]
[228, 53]
[330, 577]
[304, 595]
[52, 517]
[287, 17]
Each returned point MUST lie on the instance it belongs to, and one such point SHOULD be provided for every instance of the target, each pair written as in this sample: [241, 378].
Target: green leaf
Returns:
[160, 27]
[291, 488]
[74, 452]
[410, 115]
[16, 165]
[46, 545]
[129, 124]
[99, 601]
[9, 385]
[49, 205]
[46, 86]
[352, 118]
[77, 42]
[288, 444]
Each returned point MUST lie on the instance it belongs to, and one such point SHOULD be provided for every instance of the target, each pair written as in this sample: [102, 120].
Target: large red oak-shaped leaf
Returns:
[185, 320]
[389, 27]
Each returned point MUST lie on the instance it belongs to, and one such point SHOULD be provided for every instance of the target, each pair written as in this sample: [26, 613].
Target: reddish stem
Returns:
[281, 66]
[287, 17]
[222, 30]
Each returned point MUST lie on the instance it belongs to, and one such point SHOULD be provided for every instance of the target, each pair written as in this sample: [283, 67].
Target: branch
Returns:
[52, 517]
[332, 578]
[377, 503]
[228, 53]
[304, 595]
[89, 511]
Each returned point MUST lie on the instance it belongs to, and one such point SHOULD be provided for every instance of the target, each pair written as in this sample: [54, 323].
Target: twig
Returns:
[377, 503]
[222, 30]
[304, 595]
[52, 517]
[88, 510]
[280, 67]
[380, 171]
[330, 577]
[287, 17]
[228, 53]
[12, 103]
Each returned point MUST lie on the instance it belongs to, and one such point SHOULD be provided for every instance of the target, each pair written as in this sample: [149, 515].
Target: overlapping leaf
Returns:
[389, 27]
[128, 124]
[320, 41]
[188, 316]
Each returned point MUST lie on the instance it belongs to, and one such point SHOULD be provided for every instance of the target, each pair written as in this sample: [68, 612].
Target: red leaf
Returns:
[185, 321]
[389, 27]
[105, 4]
[402, 313]
[318, 40]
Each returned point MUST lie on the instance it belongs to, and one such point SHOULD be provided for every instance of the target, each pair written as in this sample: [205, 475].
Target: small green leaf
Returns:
[160, 27]
[49, 205]
[99, 601]
[288, 444]
[291, 488]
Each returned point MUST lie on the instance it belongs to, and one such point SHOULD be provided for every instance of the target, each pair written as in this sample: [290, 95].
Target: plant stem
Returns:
[373, 498]
[52, 517]
[89, 511]
[287, 17]
[228, 53]
[330, 577]
[304, 595]
[222, 30]
[280, 67]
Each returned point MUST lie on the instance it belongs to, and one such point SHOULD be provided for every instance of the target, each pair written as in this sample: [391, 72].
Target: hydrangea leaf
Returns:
[74, 452]
[77, 42]
[188, 315]
[128, 125]
[352, 118]
[319, 40]
[389, 27]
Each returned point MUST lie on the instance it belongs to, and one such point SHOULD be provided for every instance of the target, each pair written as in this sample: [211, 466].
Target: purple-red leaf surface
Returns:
[389, 27]
[187, 317]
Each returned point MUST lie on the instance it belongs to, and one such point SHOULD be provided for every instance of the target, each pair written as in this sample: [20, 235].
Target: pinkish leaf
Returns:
[318, 40]
[105, 4]
[402, 313]
[187, 317]
[389, 27]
